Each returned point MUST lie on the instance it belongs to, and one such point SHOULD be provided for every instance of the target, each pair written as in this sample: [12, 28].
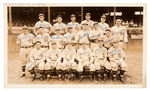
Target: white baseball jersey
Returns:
[74, 25]
[69, 54]
[61, 26]
[58, 39]
[53, 54]
[99, 53]
[115, 53]
[103, 27]
[70, 37]
[95, 34]
[25, 40]
[43, 24]
[37, 54]
[120, 32]
[108, 40]
[90, 24]
[83, 36]
[44, 39]
[84, 54]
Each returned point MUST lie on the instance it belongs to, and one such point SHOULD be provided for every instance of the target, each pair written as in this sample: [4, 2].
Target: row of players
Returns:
[87, 35]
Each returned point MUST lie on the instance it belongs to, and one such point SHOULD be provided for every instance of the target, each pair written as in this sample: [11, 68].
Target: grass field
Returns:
[134, 60]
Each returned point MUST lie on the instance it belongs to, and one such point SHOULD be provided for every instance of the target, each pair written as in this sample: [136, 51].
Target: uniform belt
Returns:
[121, 40]
[101, 58]
[26, 46]
[44, 46]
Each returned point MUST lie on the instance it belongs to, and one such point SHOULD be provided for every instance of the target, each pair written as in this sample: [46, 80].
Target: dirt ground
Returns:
[134, 60]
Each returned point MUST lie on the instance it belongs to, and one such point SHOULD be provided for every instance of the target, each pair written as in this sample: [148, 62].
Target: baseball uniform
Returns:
[60, 26]
[75, 26]
[103, 27]
[90, 24]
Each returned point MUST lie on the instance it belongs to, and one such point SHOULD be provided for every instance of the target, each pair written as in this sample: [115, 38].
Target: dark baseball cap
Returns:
[59, 16]
[84, 24]
[103, 16]
[41, 14]
[72, 15]
[88, 14]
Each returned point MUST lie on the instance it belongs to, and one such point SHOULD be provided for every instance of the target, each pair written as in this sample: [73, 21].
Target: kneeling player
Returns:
[115, 54]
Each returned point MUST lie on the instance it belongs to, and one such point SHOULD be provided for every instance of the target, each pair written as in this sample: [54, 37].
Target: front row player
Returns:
[115, 54]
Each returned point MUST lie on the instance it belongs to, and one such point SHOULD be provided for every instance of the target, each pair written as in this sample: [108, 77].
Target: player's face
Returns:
[53, 46]
[25, 31]
[101, 43]
[118, 22]
[88, 17]
[73, 19]
[116, 44]
[69, 30]
[41, 18]
[38, 46]
[69, 46]
[84, 46]
[59, 19]
[57, 32]
[95, 26]
[40, 30]
[107, 33]
[84, 27]
[103, 19]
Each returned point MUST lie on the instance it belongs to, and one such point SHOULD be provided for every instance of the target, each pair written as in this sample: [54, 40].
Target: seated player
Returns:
[37, 60]
[100, 59]
[115, 54]
[61, 67]
[69, 54]
[52, 55]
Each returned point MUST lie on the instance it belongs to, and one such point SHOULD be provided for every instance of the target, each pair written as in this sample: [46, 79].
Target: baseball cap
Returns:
[84, 24]
[88, 14]
[59, 16]
[37, 42]
[103, 16]
[72, 15]
[69, 27]
[41, 14]
[95, 23]
[100, 39]
[25, 28]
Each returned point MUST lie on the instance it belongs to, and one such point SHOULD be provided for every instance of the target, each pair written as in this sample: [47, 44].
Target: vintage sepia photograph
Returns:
[97, 45]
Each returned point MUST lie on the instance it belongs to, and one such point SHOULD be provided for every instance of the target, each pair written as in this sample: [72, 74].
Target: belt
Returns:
[44, 46]
[26, 46]
[101, 58]
[121, 40]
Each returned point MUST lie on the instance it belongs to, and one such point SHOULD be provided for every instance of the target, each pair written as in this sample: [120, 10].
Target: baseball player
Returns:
[73, 23]
[102, 25]
[37, 60]
[94, 34]
[83, 35]
[119, 31]
[60, 25]
[88, 21]
[47, 27]
[58, 38]
[84, 55]
[115, 54]
[70, 36]
[52, 55]
[25, 41]
[100, 59]
[108, 39]
[44, 38]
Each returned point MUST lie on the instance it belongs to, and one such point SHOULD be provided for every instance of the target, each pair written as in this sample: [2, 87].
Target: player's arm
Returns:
[18, 42]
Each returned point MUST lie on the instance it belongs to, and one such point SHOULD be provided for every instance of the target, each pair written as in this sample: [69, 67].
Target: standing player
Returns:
[94, 35]
[47, 27]
[88, 21]
[73, 23]
[25, 41]
[120, 32]
[108, 39]
[115, 54]
[102, 25]
[60, 25]
[44, 38]
[83, 35]
[58, 38]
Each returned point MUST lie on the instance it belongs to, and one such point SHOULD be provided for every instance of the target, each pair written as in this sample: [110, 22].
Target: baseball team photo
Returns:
[78, 45]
